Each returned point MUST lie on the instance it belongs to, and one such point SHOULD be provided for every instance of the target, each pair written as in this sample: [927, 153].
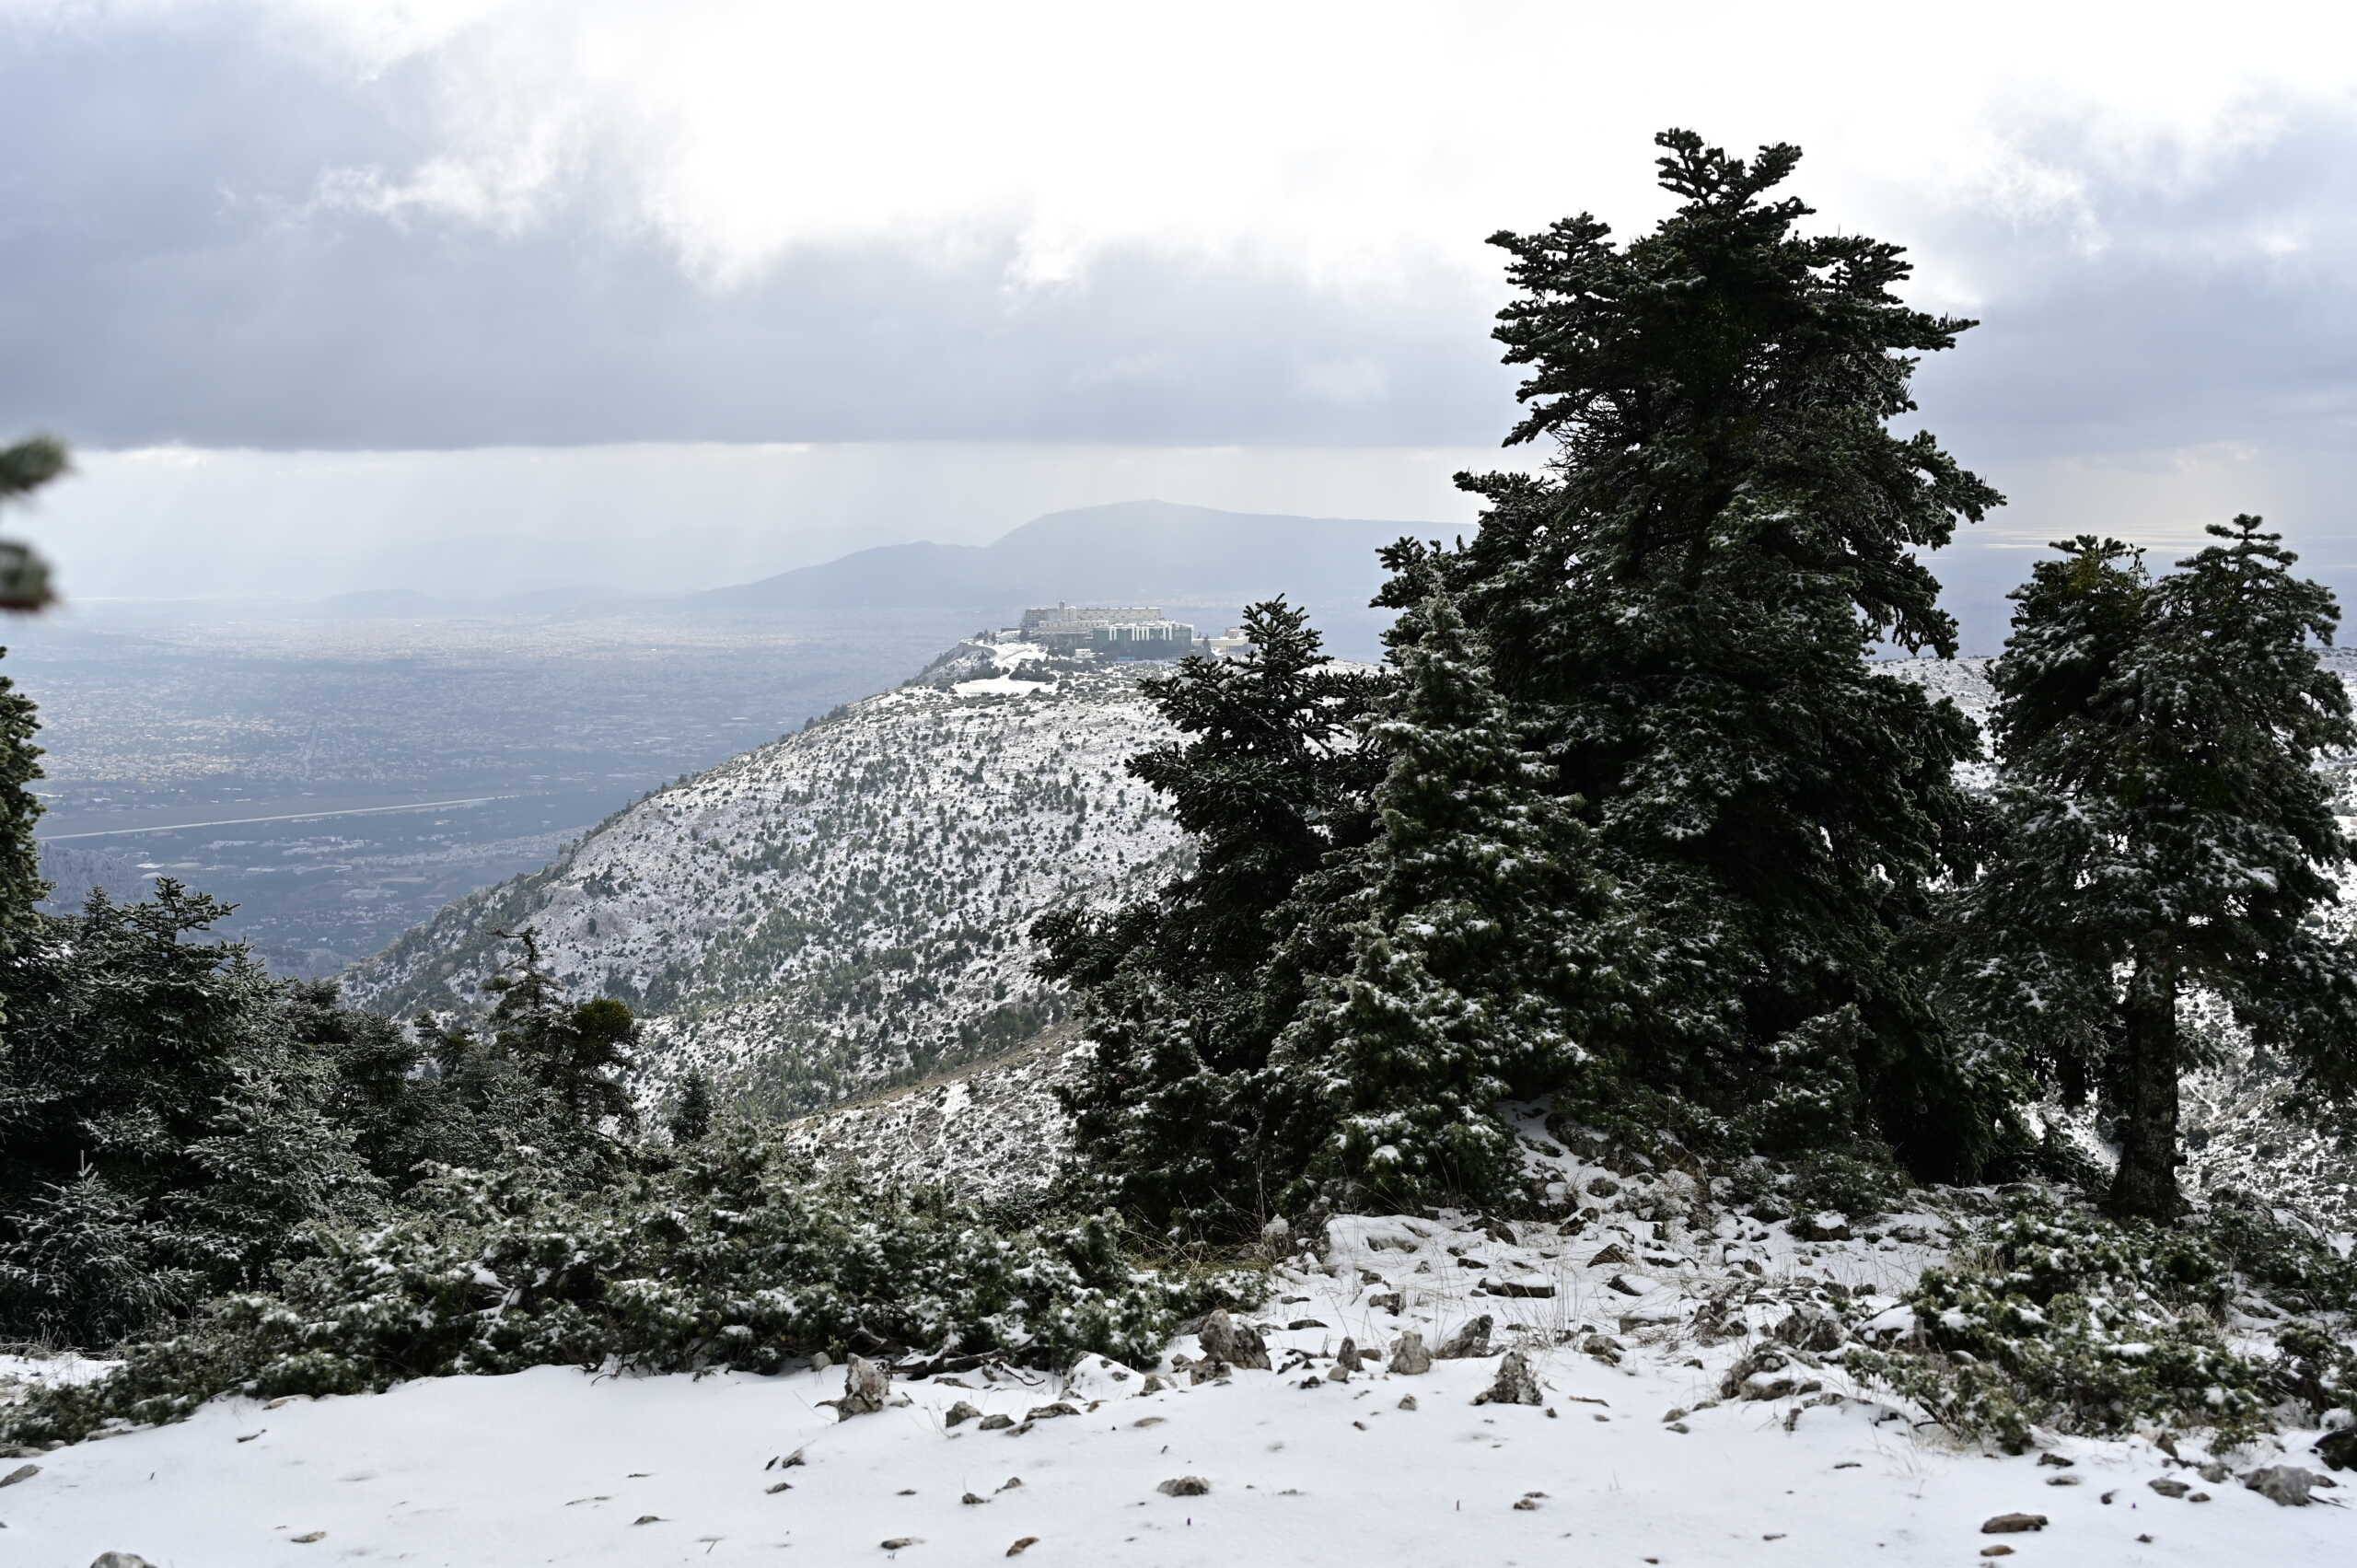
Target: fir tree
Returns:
[1477, 956]
[1269, 779]
[2164, 830]
[580, 1052]
[1678, 612]
[692, 1117]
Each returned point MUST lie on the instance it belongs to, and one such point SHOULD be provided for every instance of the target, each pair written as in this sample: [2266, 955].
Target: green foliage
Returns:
[2161, 831]
[25, 468]
[2058, 1317]
[731, 1256]
[692, 1117]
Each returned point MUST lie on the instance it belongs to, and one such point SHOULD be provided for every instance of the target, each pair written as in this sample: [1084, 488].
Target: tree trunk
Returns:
[2144, 1187]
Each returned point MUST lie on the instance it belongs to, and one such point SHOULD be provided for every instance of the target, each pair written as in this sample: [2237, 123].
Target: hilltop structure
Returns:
[1117, 630]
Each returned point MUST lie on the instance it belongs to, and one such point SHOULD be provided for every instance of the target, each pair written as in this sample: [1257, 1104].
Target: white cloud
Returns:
[1341, 136]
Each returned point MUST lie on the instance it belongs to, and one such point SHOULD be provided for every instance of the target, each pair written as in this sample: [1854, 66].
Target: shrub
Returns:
[733, 1257]
[2057, 1318]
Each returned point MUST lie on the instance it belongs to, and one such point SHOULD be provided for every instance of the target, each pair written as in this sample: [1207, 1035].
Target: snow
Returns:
[556, 1465]
[1000, 686]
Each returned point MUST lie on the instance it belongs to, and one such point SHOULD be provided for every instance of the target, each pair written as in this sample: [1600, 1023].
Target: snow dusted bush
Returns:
[732, 1257]
[2061, 1318]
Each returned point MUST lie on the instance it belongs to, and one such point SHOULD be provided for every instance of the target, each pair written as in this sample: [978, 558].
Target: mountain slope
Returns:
[844, 908]
[1151, 551]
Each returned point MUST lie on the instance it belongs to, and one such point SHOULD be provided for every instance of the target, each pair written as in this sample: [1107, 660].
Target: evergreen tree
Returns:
[2164, 830]
[579, 1052]
[692, 1117]
[1478, 953]
[23, 585]
[1269, 780]
[1678, 615]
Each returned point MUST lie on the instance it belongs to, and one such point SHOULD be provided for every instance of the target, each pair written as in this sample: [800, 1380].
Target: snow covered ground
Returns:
[1660, 1437]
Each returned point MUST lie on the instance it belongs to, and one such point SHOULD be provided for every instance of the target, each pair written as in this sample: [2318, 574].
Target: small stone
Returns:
[1677, 1426]
[2168, 1486]
[1527, 1290]
[897, 1542]
[2055, 1461]
[1145, 1422]
[2287, 1486]
[1387, 1301]
[1154, 1384]
[2000, 1550]
[1020, 1547]
[119, 1560]
[2013, 1524]
[1407, 1401]
[22, 1472]
[1526, 1504]
[1184, 1486]
[820, 1361]
[2216, 1474]
[1602, 1186]
[1011, 1483]
[2198, 1497]
[1621, 1283]
[1470, 1342]
[1049, 1413]
[971, 1499]
[1409, 1356]
[1610, 1257]
[998, 1421]
[648, 1519]
[1516, 1383]
[960, 1412]
[2063, 1480]
[1300, 1323]
[308, 1539]
[781, 1486]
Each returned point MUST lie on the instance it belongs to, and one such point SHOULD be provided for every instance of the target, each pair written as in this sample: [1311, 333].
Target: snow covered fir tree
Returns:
[1639, 1022]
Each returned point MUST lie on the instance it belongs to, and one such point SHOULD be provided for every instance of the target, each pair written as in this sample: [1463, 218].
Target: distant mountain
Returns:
[1147, 551]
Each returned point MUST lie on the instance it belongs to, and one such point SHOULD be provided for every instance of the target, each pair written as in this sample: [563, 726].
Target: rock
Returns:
[308, 1539]
[2216, 1473]
[22, 1472]
[1516, 1383]
[2013, 1524]
[2339, 1450]
[1809, 1328]
[1387, 1301]
[1208, 1370]
[866, 1389]
[1525, 1503]
[974, 1500]
[1826, 1226]
[2063, 1480]
[1610, 1257]
[2287, 1486]
[1298, 1324]
[960, 1412]
[1155, 1383]
[998, 1422]
[1602, 1186]
[2170, 1486]
[1239, 1343]
[1467, 1344]
[1020, 1547]
[1528, 1290]
[2055, 1461]
[1757, 1375]
[1011, 1483]
[897, 1542]
[2000, 1550]
[1407, 1401]
[1347, 1358]
[1184, 1486]
[820, 1361]
[1409, 1356]
[1050, 1413]
[119, 1560]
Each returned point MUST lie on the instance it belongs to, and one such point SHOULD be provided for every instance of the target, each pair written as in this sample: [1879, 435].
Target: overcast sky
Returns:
[673, 294]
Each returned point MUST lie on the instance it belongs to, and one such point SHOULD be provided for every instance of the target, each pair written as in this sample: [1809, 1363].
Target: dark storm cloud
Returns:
[168, 277]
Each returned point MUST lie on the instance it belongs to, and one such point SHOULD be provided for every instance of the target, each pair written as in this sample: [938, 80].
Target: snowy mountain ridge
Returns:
[846, 908]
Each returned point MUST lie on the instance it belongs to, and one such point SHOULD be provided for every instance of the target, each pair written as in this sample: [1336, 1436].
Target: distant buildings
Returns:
[1117, 630]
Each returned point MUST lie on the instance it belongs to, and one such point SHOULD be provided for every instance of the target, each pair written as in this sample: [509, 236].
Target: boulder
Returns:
[2287, 1486]
[960, 1412]
[1409, 1356]
[1470, 1341]
[1239, 1344]
[866, 1389]
[1516, 1383]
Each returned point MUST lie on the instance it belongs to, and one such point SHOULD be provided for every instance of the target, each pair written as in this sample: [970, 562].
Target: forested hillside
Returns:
[846, 907]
